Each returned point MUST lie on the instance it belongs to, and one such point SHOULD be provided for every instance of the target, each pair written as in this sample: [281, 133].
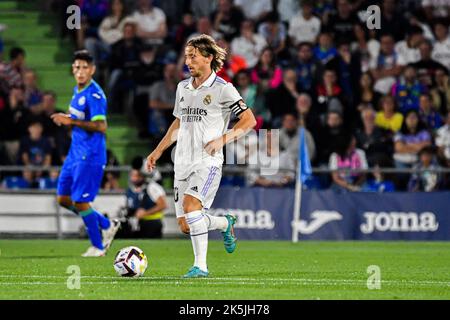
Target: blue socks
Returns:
[93, 220]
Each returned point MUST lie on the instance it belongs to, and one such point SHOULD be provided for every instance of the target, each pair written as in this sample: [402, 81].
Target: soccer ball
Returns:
[130, 262]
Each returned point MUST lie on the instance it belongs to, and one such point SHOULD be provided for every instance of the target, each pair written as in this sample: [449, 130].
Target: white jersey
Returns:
[204, 115]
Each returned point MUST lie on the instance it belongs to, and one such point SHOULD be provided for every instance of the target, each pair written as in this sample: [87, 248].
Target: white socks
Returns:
[216, 223]
[199, 237]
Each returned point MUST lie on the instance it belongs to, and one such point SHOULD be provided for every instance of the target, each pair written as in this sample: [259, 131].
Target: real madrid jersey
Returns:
[204, 115]
[88, 104]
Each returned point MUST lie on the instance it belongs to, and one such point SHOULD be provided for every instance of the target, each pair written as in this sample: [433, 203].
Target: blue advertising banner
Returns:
[266, 214]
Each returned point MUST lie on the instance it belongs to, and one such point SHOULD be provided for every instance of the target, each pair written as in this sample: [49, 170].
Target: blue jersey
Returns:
[88, 104]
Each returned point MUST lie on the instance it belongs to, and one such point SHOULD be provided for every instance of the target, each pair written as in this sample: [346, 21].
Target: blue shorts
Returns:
[80, 180]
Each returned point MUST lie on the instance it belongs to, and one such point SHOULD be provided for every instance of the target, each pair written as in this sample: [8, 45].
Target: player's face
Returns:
[198, 64]
[82, 71]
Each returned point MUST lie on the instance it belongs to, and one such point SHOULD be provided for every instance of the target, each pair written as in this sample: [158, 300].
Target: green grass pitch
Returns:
[37, 269]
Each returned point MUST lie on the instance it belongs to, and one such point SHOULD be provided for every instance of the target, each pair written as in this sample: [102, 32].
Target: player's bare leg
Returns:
[66, 202]
[198, 230]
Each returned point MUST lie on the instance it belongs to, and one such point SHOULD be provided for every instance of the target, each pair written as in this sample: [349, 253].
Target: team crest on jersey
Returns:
[82, 101]
[207, 99]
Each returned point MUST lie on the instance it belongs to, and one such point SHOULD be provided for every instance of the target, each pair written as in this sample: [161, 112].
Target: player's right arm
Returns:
[169, 138]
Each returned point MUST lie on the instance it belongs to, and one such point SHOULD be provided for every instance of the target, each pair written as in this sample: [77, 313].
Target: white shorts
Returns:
[201, 184]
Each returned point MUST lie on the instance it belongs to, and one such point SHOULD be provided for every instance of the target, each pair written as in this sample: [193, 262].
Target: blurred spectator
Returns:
[281, 100]
[342, 21]
[289, 137]
[366, 48]
[267, 74]
[443, 140]
[388, 118]
[304, 26]
[392, 21]
[407, 50]
[426, 67]
[151, 22]
[328, 135]
[251, 95]
[50, 182]
[26, 181]
[249, 44]
[287, 9]
[378, 181]
[323, 9]
[441, 48]
[428, 115]
[376, 142]
[324, 51]
[274, 32]
[347, 156]
[233, 63]
[12, 73]
[35, 149]
[426, 179]
[33, 95]
[204, 26]
[203, 8]
[386, 66]
[436, 9]
[227, 18]
[146, 202]
[329, 94]
[441, 93]
[308, 69]
[110, 181]
[162, 100]
[266, 173]
[407, 90]
[184, 30]
[92, 14]
[412, 137]
[365, 94]
[308, 118]
[255, 10]
[110, 31]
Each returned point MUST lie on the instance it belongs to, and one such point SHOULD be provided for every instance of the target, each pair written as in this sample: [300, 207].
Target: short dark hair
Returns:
[49, 93]
[427, 150]
[16, 52]
[83, 55]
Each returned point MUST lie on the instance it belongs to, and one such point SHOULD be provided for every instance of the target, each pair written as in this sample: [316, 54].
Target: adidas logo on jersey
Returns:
[194, 189]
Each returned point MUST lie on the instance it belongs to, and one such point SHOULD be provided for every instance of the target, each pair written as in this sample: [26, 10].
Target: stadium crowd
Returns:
[368, 98]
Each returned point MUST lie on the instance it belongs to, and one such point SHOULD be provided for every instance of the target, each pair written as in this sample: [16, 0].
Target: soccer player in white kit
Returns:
[202, 111]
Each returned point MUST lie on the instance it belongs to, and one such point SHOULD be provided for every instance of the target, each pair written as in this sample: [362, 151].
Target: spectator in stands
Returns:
[203, 8]
[436, 9]
[392, 22]
[426, 67]
[377, 181]
[266, 172]
[249, 44]
[162, 100]
[233, 63]
[287, 9]
[92, 14]
[251, 95]
[151, 22]
[35, 149]
[426, 179]
[407, 50]
[347, 156]
[227, 19]
[110, 179]
[407, 90]
[365, 95]
[365, 47]
[281, 100]
[342, 22]
[325, 50]
[289, 137]
[275, 33]
[267, 74]
[388, 118]
[441, 48]
[328, 135]
[412, 137]
[185, 29]
[146, 202]
[204, 26]
[308, 69]
[110, 31]
[26, 181]
[254, 10]
[307, 117]
[441, 92]
[33, 96]
[443, 140]
[376, 142]
[304, 26]
[12, 73]
[428, 115]
[329, 93]
[386, 66]
[50, 182]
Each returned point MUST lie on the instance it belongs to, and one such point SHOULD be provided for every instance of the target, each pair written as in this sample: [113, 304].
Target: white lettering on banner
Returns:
[248, 219]
[319, 218]
[399, 221]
